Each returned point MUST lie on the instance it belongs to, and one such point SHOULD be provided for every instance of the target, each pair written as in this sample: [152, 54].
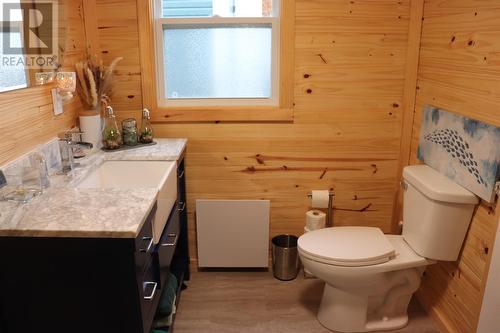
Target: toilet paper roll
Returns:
[315, 219]
[320, 198]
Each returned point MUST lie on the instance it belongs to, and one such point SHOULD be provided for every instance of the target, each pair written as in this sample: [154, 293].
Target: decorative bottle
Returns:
[129, 132]
[111, 136]
[146, 132]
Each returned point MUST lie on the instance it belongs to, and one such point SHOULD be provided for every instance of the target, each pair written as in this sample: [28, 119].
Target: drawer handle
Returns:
[150, 244]
[171, 243]
[183, 206]
[153, 292]
[182, 174]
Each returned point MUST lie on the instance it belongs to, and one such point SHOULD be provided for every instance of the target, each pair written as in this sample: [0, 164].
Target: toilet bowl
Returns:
[359, 296]
[370, 277]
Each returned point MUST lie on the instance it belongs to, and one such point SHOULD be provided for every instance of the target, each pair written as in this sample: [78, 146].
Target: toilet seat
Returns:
[347, 246]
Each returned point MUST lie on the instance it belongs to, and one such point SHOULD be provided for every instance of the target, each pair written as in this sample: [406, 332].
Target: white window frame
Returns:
[165, 102]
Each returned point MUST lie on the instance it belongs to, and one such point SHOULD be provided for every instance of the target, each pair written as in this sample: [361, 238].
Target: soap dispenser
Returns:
[111, 136]
[146, 132]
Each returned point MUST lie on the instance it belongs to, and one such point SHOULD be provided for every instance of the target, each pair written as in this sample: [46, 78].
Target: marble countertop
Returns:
[66, 211]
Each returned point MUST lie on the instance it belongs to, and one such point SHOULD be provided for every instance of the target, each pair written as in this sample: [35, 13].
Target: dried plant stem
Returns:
[82, 82]
[93, 88]
[95, 80]
[108, 76]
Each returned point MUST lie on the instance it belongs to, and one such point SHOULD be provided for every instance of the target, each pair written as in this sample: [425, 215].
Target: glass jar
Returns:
[129, 128]
[146, 132]
[111, 136]
[25, 182]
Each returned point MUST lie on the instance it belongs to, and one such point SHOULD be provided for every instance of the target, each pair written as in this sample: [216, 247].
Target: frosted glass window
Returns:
[12, 70]
[230, 61]
[187, 8]
[221, 8]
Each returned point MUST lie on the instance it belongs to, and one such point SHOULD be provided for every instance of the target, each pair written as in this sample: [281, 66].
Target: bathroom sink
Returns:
[139, 174]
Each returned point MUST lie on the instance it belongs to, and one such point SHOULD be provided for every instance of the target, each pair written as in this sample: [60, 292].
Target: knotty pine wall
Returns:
[26, 116]
[349, 78]
[460, 72]
[350, 71]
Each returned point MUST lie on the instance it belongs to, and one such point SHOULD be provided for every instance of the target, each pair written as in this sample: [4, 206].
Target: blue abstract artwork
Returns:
[465, 150]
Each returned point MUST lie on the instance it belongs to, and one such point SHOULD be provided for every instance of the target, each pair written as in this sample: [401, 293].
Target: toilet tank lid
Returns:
[437, 186]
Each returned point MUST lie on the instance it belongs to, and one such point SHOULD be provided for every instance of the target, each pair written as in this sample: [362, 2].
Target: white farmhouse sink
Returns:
[139, 174]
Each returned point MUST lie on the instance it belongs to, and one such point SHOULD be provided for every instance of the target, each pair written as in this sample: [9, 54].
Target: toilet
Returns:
[370, 277]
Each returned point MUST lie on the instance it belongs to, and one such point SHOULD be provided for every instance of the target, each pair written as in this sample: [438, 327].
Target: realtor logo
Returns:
[29, 29]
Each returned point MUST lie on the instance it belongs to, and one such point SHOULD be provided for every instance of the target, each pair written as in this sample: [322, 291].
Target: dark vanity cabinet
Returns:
[181, 259]
[84, 285]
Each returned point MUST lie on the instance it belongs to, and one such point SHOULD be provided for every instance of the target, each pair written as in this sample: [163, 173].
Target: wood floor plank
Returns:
[255, 302]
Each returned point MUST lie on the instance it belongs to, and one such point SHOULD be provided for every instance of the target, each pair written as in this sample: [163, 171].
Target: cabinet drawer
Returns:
[166, 248]
[144, 244]
[149, 287]
[181, 182]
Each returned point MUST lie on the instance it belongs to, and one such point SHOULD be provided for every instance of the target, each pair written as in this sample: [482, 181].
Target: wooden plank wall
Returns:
[460, 72]
[26, 116]
[349, 81]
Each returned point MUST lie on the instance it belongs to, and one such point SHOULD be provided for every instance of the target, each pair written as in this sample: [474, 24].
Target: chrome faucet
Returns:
[66, 146]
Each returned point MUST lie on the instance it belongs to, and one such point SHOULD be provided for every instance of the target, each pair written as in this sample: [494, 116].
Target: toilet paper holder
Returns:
[329, 213]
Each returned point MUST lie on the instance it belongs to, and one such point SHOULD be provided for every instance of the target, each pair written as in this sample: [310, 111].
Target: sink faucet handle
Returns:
[69, 136]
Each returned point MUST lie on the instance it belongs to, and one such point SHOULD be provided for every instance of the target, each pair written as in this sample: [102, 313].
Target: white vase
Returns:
[91, 126]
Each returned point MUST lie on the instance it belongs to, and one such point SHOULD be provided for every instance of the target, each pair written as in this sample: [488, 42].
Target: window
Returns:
[217, 60]
[217, 52]
[13, 74]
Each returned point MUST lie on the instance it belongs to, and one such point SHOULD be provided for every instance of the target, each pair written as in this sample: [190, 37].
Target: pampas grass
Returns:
[95, 81]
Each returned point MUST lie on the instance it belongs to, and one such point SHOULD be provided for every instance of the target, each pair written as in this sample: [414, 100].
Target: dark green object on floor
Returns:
[168, 296]
[159, 331]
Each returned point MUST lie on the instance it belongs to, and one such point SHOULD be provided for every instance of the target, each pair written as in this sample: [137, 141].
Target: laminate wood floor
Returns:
[255, 302]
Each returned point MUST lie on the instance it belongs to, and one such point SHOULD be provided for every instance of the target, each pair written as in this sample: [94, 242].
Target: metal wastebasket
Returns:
[285, 257]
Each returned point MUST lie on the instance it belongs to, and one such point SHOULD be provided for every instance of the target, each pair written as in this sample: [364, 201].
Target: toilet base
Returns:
[350, 315]
[355, 311]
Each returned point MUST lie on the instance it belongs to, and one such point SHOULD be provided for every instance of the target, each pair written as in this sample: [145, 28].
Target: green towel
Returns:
[168, 296]
[159, 331]
[165, 321]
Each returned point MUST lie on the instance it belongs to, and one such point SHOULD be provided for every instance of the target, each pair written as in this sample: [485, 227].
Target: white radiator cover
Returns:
[232, 233]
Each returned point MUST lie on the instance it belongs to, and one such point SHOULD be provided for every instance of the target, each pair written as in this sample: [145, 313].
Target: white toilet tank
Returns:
[436, 213]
